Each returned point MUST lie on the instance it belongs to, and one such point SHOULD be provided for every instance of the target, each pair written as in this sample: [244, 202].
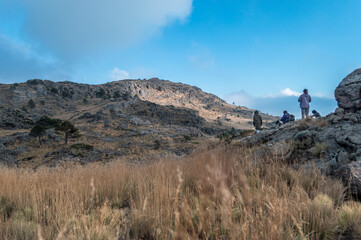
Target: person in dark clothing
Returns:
[304, 101]
[285, 118]
[315, 114]
[257, 121]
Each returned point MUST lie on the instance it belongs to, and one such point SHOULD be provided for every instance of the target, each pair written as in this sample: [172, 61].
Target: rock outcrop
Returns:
[348, 92]
[331, 143]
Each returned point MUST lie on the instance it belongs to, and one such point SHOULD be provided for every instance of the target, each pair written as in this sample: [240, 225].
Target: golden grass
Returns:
[226, 193]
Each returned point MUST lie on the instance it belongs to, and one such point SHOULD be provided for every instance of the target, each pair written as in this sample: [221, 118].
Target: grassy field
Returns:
[224, 193]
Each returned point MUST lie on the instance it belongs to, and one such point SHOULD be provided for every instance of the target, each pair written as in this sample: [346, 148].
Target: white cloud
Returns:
[117, 74]
[289, 92]
[73, 27]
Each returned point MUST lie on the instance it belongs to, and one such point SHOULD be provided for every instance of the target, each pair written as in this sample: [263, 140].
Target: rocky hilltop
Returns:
[135, 120]
[332, 143]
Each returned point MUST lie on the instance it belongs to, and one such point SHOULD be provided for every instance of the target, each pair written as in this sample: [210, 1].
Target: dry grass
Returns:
[226, 193]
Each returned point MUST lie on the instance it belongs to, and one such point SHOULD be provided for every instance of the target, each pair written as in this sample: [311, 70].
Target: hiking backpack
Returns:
[292, 118]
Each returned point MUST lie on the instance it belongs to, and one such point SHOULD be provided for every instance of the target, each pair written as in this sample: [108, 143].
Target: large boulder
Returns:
[348, 92]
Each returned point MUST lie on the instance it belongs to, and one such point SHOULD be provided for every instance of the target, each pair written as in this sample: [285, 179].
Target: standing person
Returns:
[304, 101]
[257, 121]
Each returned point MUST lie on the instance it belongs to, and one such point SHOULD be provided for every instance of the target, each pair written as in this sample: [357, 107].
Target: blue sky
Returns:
[256, 53]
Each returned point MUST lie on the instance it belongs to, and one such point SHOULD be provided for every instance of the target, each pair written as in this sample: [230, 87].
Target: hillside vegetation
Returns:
[137, 120]
[222, 193]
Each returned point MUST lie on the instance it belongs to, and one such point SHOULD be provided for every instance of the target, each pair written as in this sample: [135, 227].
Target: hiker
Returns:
[285, 118]
[304, 101]
[257, 121]
[315, 114]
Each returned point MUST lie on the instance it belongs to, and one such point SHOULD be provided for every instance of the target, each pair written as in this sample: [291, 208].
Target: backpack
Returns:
[292, 118]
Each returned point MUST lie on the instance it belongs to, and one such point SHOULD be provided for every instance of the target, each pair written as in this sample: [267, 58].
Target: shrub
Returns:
[321, 123]
[187, 138]
[82, 146]
[42, 102]
[349, 218]
[24, 109]
[14, 86]
[126, 96]
[65, 94]
[112, 111]
[318, 149]
[320, 221]
[85, 101]
[116, 94]
[100, 93]
[157, 144]
[225, 136]
[54, 90]
[31, 103]
[34, 82]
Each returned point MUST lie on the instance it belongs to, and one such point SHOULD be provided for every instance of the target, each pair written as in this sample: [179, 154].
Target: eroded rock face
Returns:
[348, 92]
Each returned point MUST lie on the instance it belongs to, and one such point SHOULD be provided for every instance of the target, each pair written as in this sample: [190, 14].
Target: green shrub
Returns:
[187, 138]
[100, 93]
[54, 90]
[31, 103]
[116, 94]
[157, 144]
[318, 149]
[82, 146]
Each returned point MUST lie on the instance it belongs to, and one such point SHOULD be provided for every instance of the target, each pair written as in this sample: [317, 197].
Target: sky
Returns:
[256, 53]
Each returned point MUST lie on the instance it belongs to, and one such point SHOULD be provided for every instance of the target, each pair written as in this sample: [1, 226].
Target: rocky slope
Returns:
[134, 120]
[332, 143]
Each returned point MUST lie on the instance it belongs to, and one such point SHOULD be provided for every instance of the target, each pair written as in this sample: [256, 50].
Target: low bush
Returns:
[82, 146]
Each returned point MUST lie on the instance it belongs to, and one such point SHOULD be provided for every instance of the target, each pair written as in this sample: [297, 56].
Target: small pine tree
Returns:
[68, 129]
[37, 131]
[85, 101]
[31, 103]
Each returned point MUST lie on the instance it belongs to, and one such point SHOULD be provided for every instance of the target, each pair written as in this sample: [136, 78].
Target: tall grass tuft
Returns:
[225, 193]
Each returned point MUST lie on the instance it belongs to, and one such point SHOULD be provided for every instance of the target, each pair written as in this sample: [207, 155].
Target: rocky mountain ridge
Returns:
[129, 119]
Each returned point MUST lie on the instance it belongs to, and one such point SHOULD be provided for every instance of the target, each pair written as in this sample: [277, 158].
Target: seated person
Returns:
[285, 118]
[315, 114]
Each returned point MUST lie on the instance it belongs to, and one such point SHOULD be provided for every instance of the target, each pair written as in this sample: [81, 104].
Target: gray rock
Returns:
[7, 156]
[339, 111]
[342, 158]
[351, 176]
[348, 91]
[19, 150]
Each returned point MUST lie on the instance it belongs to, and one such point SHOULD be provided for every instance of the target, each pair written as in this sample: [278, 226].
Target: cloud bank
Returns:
[286, 99]
[73, 27]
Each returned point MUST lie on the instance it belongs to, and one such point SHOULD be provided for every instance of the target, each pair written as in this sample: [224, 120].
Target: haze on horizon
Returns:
[256, 53]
